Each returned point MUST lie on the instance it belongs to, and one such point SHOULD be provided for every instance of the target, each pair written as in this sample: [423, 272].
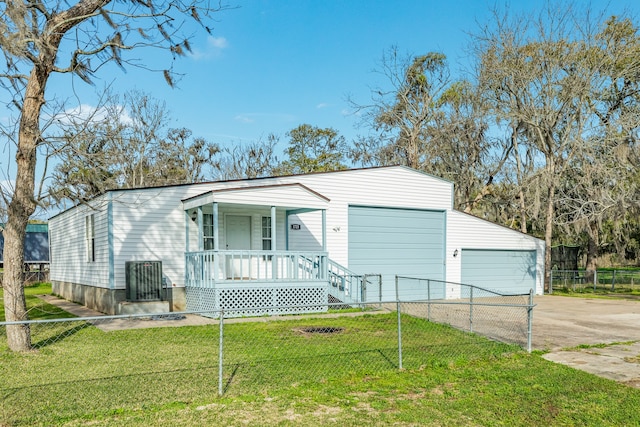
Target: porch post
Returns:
[274, 261]
[273, 228]
[200, 230]
[216, 241]
[324, 230]
[325, 261]
[186, 229]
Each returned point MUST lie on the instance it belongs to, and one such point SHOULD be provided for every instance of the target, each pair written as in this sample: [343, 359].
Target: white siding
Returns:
[468, 232]
[309, 236]
[398, 187]
[149, 225]
[69, 262]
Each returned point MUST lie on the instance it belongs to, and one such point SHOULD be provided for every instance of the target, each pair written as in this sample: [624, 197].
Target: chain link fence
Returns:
[501, 317]
[151, 359]
[30, 277]
[595, 281]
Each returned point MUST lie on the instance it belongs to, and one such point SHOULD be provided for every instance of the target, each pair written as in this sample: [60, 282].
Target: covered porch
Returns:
[238, 253]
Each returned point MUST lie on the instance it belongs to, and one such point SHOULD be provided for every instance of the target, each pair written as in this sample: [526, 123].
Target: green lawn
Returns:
[275, 373]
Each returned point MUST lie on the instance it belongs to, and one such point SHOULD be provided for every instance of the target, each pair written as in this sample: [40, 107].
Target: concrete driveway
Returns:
[607, 330]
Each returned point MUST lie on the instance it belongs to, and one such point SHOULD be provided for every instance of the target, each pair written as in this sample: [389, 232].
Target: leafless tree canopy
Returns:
[40, 39]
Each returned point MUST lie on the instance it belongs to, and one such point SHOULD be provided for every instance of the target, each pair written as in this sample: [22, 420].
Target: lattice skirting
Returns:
[245, 300]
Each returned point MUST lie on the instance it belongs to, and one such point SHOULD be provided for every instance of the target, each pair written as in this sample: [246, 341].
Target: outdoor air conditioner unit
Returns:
[144, 280]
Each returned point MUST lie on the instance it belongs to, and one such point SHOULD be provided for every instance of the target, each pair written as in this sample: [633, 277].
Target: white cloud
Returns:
[217, 42]
[213, 49]
[322, 105]
[244, 118]
[85, 112]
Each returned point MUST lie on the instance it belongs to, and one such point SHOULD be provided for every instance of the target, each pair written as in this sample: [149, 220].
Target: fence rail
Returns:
[597, 281]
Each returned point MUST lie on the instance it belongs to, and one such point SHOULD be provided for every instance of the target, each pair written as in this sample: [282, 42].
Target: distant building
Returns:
[564, 257]
[36, 245]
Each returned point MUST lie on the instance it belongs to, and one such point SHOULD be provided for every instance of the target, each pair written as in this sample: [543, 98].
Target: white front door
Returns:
[238, 232]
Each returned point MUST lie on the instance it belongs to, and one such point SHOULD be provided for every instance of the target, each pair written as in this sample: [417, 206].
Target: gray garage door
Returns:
[392, 241]
[506, 271]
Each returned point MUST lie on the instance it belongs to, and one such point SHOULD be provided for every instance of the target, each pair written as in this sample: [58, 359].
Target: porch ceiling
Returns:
[284, 196]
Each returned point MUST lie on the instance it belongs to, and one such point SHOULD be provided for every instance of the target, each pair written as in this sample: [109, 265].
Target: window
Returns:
[266, 233]
[90, 236]
[207, 231]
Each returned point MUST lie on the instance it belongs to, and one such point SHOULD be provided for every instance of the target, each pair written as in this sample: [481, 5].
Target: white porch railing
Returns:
[206, 268]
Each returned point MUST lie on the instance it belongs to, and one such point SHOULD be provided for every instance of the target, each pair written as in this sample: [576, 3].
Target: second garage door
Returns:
[408, 242]
[506, 271]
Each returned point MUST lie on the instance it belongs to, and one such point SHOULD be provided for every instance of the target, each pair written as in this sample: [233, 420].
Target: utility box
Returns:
[144, 281]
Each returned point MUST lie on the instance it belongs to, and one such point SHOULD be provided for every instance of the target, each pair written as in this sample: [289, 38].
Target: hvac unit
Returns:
[144, 280]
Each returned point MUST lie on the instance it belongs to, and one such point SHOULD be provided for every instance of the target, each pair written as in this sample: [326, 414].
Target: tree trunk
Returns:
[548, 234]
[20, 209]
[592, 256]
[519, 174]
[18, 336]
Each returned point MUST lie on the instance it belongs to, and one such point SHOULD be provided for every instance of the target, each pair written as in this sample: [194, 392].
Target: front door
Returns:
[238, 232]
[238, 266]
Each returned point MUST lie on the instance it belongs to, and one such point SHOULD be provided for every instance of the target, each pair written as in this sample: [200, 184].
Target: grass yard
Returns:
[284, 373]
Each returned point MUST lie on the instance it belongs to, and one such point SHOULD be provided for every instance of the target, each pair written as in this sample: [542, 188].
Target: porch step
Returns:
[147, 307]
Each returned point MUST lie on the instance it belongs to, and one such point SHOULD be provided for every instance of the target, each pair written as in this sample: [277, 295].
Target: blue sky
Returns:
[271, 65]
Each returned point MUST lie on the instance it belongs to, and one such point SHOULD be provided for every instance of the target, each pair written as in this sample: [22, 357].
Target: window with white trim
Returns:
[207, 231]
[266, 233]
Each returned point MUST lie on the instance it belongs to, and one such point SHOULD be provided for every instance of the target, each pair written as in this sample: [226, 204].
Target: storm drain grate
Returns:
[321, 330]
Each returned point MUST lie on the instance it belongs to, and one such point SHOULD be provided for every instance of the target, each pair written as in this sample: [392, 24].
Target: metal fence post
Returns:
[471, 309]
[530, 321]
[363, 290]
[613, 281]
[399, 326]
[220, 354]
[429, 299]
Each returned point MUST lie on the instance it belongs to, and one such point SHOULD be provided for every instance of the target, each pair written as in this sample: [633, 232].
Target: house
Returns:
[287, 240]
[36, 246]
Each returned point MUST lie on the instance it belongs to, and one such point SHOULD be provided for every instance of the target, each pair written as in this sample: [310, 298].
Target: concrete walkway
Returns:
[594, 335]
[168, 319]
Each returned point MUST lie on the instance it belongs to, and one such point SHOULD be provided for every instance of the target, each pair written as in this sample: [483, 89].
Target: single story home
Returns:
[291, 240]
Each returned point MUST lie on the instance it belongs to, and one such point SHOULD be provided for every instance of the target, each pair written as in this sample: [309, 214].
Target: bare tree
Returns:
[428, 122]
[600, 196]
[535, 75]
[42, 39]
[254, 160]
[126, 143]
[401, 115]
[461, 149]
